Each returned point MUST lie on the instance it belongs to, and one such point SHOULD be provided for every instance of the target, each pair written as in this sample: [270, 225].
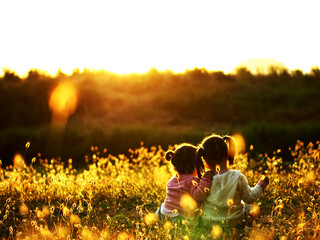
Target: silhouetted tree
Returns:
[198, 73]
[315, 71]
[218, 75]
[276, 71]
[285, 74]
[298, 74]
[33, 75]
[242, 73]
[11, 77]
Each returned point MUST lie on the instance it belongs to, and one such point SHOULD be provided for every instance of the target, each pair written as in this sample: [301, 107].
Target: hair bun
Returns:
[169, 155]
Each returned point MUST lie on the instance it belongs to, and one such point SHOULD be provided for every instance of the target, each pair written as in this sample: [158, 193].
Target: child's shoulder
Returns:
[235, 172]
[187, 177]
[238, 174]
[182, 177]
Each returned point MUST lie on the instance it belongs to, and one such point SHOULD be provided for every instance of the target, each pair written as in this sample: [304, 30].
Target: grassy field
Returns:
[92, 179]
[114, 197]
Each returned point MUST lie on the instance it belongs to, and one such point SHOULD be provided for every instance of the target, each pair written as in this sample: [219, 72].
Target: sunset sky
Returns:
[133, 36]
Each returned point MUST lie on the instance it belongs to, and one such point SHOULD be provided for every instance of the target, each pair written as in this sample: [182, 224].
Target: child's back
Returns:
[224, 205]
[229, 187]
[183, 184]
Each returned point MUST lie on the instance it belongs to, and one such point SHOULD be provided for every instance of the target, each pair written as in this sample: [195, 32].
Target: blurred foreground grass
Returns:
[114, 197]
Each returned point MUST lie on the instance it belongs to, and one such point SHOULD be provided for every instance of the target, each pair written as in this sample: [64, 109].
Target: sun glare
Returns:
[241, 143]
[138, 37]
[63, 100]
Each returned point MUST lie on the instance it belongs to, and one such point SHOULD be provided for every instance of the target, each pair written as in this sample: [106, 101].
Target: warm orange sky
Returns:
[133, 36]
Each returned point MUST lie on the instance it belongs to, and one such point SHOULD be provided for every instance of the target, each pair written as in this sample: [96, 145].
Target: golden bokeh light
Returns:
[63, 100]
[46, 234]
[74, 219]
[310, 177]
[188, 204]
[254, 210]
[216, 232]
[167, 226]
[88, 235]
[62, 232]
[65, 211]
[23, 209]
[60, 202]
[150, 219]
[123, 236]
[41, 214]
[240, 142]
[62, 103]
[104, 233]
[18, 161]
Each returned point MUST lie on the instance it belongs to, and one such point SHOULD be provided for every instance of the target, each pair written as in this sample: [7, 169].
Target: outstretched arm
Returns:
[248, 194]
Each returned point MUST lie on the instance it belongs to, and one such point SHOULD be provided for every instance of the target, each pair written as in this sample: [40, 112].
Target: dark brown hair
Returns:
[183, 158]
[215, 150]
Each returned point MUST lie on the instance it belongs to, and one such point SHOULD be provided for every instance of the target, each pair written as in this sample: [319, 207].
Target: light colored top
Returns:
[224, 203]
[184, 184]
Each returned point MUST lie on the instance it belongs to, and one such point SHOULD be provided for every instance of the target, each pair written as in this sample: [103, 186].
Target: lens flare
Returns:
[216, 232]
[241, 143]
[188, 204]
[254, 210]
[167, 226]
[63, 100]
[18, 161]
[150, 219]
[123, 236]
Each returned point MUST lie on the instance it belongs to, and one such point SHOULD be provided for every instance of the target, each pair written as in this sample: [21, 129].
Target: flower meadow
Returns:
[115, 197]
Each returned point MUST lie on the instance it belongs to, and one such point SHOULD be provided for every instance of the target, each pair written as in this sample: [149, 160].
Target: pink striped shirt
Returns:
[185, 183]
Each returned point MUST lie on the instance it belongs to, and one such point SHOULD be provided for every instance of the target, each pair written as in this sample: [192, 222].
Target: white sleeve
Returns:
[248, 194]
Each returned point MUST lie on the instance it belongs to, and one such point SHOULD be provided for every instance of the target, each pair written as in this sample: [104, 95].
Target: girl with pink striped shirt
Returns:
[184, 185]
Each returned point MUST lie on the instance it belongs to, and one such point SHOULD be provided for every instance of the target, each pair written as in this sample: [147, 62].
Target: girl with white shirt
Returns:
[229, 188]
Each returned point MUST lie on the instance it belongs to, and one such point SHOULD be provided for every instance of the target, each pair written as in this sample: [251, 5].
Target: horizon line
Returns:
[257, 71]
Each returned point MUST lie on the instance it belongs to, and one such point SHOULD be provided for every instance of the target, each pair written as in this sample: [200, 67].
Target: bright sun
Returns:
[134, 36]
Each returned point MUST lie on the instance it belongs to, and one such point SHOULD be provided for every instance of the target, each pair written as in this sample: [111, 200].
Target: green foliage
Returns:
[119, 111]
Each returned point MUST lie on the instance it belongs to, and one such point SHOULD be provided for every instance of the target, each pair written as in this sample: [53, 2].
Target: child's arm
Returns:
[199, 189]
[264, 182]
[248, 194]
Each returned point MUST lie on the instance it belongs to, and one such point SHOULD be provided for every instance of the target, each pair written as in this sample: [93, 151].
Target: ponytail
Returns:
[231, 148]
[169, 155]
[199, 163]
